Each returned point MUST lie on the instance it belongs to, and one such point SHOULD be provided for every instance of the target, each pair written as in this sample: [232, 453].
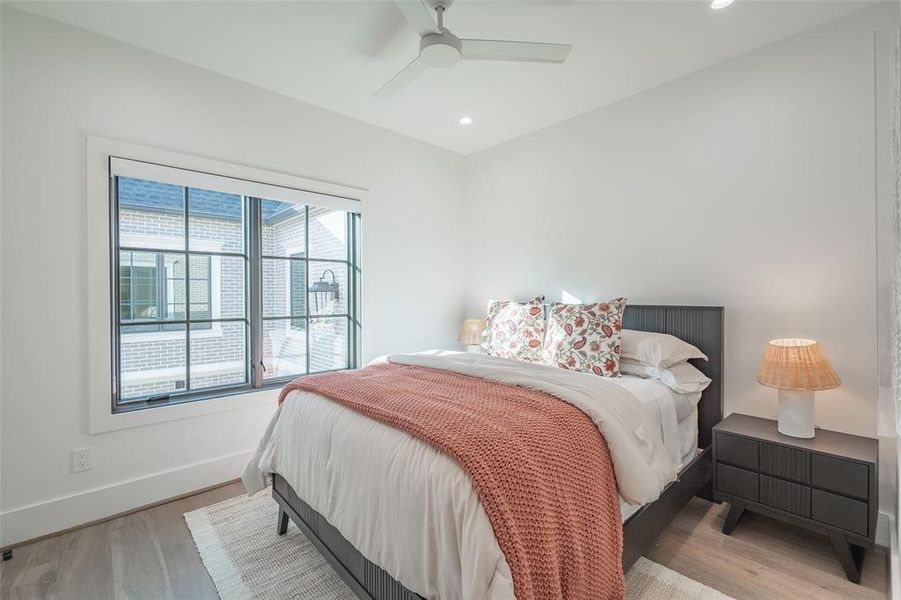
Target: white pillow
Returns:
[682, 378]
[660, 350]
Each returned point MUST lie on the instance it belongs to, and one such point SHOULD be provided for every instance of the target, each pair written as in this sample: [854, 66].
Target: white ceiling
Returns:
[336, 54]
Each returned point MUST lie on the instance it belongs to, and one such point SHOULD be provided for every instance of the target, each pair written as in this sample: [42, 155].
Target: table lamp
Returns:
[797, 368]
[471, 334]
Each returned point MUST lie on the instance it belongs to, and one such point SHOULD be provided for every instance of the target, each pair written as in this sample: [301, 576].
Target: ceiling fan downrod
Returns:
[440, 10]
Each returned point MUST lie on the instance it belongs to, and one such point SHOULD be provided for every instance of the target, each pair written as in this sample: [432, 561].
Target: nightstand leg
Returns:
[282, 522]
[849, 555]
[736, 510]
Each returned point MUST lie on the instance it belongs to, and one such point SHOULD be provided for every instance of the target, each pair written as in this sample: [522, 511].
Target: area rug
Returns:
[246, 559]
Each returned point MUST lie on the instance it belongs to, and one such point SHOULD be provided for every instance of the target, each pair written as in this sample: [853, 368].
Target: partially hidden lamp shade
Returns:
[797, 368]
[471, 332]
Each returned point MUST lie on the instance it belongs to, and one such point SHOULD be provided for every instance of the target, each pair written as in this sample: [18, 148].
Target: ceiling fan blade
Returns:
[402, 79]
[514, 51]
[420, 16]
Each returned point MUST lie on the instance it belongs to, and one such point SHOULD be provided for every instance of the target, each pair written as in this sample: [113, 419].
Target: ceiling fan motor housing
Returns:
[441, 50]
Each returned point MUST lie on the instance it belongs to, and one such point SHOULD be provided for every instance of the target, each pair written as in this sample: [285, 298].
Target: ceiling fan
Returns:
[440, 48]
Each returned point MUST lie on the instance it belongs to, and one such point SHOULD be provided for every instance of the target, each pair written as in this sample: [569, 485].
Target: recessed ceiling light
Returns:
[718, 4]
[465, 120]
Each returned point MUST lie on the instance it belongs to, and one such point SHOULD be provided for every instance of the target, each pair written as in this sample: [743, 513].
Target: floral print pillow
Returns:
[585, 337]
[515, 330]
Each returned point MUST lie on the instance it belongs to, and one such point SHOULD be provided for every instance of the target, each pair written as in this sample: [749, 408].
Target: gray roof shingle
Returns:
[141, 194]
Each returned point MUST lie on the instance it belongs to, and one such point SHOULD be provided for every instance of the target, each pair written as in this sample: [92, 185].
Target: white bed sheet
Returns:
[688, 447]
[671, 410]
[367, 478]
[688, 435]
[686, 404]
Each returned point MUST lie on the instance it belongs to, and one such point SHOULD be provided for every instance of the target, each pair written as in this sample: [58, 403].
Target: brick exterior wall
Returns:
[153, 362]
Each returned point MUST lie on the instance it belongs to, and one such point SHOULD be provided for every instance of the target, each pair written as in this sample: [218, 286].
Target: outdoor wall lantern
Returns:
[322, 288]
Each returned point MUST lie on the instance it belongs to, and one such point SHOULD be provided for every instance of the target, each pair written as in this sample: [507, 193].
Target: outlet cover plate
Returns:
[81, 460]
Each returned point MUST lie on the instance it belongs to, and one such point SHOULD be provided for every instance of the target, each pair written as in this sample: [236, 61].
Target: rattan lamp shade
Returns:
[798, 365]
[471, 332]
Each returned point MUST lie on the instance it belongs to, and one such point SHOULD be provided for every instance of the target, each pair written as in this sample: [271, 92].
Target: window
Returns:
[151, 289]
[220, 289]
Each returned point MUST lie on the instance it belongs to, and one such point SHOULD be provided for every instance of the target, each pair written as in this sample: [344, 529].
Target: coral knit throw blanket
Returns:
[539, 465]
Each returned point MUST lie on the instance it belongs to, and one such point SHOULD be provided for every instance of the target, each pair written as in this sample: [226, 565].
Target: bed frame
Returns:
[698, 325]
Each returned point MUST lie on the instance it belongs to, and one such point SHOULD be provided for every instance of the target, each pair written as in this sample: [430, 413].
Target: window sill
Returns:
[102, 419]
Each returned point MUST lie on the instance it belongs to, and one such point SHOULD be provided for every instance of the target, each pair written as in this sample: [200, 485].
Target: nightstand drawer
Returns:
[737, 451]
[785, 462]
[839, 511]
[785, 495]
[737, 482]
[842, 476]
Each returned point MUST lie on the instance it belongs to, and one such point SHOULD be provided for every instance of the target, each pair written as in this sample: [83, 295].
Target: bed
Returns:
[413, 560]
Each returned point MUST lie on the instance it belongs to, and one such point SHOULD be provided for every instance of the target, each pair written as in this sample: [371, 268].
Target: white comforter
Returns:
[411, 509]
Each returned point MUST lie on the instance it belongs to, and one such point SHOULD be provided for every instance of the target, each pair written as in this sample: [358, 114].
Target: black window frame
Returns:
[253, 318]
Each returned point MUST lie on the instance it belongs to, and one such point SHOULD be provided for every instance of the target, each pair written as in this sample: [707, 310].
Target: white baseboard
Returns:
[58, 514]
[894, 562]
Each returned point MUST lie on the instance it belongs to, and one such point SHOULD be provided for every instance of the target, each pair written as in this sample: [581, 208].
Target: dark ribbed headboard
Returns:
[701, 326]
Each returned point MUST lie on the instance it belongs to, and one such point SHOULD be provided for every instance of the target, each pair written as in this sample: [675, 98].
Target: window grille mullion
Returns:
[306, 288]
[255, 288]
[115, 292]
[351, 299]
[187, 295]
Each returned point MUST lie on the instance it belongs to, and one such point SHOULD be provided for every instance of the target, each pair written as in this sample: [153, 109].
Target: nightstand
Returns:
[827, 483]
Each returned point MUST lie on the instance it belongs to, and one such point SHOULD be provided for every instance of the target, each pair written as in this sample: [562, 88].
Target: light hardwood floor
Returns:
[150, 554]
[763, 558]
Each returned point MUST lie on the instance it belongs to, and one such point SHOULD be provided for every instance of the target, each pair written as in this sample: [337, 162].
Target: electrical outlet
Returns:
[81, 460]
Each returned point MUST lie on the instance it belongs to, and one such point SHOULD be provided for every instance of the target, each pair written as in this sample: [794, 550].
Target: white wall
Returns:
[748, 185]
[60, 84]
[885, 408]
